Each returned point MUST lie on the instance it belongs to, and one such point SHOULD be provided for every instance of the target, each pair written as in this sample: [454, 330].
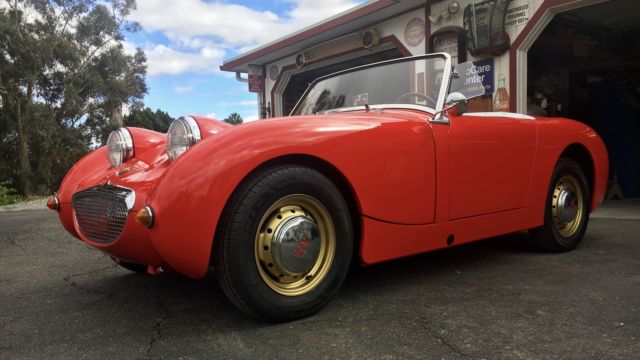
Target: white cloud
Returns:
[201, 33]
[250, 117]
[239, 103]
[183, 89]
[162, 59]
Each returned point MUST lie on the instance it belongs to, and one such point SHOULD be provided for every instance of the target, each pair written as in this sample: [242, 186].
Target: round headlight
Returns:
[119, 147]
[183, 133]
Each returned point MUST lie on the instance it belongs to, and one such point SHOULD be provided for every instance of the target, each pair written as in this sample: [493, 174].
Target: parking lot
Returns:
[493, 299]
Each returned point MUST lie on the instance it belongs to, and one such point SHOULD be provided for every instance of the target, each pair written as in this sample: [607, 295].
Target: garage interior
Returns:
[585, 65]
[299, 82]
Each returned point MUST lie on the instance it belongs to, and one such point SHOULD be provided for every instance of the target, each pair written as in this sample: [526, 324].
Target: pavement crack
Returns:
[69, 280]
[443, 340]
[157, 328]
[13, 242]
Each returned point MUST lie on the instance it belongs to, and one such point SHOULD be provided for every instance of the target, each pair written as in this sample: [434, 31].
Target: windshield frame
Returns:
[442, 94]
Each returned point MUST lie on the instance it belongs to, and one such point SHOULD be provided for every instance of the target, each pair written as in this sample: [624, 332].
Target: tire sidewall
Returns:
[568, 167]
[258, 196]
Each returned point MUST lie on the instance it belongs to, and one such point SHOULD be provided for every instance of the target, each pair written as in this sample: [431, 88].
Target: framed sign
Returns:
[414, 32]
[273, 73]
[475, 78]
[256, 78]
[450, 40]
[484, 27]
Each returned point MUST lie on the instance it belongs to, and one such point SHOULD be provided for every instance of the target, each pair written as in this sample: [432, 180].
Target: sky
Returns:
[187, 40]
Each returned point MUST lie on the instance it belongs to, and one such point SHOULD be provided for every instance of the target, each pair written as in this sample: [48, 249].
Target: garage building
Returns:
[571, 58]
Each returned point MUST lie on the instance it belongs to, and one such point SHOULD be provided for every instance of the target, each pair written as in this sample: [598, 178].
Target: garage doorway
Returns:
[585, 65]
[299, 82]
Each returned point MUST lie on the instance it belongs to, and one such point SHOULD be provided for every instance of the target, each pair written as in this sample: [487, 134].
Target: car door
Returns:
[491, 157]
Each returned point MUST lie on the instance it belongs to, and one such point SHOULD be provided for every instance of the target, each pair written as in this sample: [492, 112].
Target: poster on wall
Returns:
[449, 40]
[273, 73]
[256, 78]
[475, 78]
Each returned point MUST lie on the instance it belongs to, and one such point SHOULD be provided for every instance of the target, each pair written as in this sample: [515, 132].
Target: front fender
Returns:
[374, 152]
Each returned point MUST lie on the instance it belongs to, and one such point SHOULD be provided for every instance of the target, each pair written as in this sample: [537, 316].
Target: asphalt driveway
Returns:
[493, 299]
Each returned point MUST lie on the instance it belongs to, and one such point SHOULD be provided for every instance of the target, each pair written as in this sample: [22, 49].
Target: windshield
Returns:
[410, 81]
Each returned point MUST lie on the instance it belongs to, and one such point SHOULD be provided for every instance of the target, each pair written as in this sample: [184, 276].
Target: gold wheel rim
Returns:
[273, 270]
[567, 199]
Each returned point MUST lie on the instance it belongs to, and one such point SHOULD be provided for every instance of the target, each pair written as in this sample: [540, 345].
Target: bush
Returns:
[8, 195]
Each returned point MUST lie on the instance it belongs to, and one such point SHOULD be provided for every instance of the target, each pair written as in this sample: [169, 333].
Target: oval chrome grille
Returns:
[101, 212]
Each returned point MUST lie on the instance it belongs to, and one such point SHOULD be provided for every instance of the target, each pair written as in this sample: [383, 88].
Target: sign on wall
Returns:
[484, 25]
[475, 78]
[517, 15]
[414, 32]
[256, 78]
[449, 39]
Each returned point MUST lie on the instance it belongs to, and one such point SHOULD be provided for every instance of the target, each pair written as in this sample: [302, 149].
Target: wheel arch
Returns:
[581, 155]
[325, 168]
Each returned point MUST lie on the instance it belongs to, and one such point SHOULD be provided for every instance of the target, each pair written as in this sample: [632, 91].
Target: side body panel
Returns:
[490, 162]
[388, 158]
[383, 241]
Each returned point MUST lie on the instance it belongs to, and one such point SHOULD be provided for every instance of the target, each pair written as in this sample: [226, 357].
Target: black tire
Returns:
[551, 237]
[136, 268]
[240, 270]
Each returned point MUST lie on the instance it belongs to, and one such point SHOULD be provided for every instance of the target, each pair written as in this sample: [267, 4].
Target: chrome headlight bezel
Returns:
[119, 147]
[183, 133]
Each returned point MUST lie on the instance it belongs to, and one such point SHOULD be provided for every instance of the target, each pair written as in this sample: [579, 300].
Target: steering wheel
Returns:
[418, 95]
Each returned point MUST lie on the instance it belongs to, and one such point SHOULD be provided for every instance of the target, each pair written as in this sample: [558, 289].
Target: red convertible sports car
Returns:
[376, 163]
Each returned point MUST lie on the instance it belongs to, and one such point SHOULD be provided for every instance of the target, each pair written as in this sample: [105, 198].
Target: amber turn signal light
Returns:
[144, 216]
[53, 203]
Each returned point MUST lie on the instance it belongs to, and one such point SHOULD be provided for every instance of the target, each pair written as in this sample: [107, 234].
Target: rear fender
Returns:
[555, 136]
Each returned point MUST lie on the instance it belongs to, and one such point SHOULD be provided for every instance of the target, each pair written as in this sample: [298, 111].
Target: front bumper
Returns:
[98, 206]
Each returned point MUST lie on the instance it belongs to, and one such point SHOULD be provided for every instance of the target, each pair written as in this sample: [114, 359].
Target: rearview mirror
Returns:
[455, 104]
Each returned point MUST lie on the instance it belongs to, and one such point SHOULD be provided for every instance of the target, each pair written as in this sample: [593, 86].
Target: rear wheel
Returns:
[284, 245]
[567, 210]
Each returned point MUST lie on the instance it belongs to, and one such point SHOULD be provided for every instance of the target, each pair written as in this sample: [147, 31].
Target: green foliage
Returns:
[64, 77]
[234, 119]
[148, 119]
[8, 195]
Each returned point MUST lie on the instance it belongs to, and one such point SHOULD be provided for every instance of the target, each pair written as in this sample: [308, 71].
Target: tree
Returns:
[64, 76]
[234, 119]
[148, 119]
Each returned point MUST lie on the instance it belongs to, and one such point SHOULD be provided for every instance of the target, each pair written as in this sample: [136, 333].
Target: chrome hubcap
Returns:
[296, 244]
[567, 206]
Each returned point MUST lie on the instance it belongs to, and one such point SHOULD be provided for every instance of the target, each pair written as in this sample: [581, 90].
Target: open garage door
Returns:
[299, 82]
[586, 65]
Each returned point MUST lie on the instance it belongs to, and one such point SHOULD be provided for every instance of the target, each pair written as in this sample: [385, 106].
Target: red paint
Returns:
[302, 247]
[477, 142]
[414, 182]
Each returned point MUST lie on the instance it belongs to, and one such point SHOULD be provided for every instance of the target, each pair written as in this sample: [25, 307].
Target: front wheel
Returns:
[285, 243]
[567, 210]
